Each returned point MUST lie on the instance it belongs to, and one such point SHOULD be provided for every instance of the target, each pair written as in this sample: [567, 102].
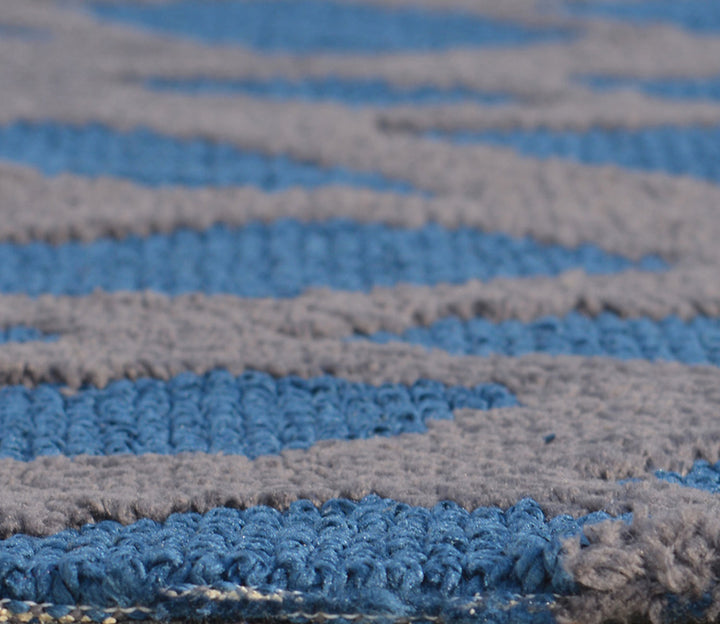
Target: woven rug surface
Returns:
[373, 311]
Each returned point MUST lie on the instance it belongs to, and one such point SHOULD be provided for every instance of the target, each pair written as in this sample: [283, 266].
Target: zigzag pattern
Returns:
[359, 310]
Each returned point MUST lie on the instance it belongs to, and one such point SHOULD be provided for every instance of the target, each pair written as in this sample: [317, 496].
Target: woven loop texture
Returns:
[360, 311]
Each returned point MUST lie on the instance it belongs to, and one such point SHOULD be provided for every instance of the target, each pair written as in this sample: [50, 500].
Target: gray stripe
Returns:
[577, 109]
[633, 215]
[611, 421]
[108, 55]
[99, 49]
[300, 130]
[111, 51]
[107, 336]
[326, 313]
[103, 57]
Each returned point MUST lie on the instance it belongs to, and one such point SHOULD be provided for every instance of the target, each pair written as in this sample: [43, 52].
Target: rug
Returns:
[371, 311]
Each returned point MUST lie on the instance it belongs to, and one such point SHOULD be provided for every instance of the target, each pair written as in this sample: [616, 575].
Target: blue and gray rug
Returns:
[370, 311]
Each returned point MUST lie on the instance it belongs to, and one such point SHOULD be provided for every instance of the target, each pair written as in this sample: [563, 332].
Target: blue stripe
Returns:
[702, 476]
[697, 15]
[250, 415]
[691, 342]
[680, 150]
[284, 258]
[707, 88]
[356, 92]
[304, 26]
[376, 556]
[154, 159]
[22, 333]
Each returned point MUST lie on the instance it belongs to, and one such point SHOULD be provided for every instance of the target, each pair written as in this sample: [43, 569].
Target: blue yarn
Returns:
[305, 26]
[22, 333]
[696, 15]
[692, 342]
[702, 476]
[286, 257]
[372, 557]
[680, 150]
[252, 415]
[152, 159]
[353, 91]
[671, 88]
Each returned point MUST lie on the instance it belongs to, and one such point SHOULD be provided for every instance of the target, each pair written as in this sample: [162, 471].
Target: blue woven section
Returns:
[693, 342]
[372, 556]
[251, 415]
[671, 88]
[702, 476]
[314, 25]
[686, 150]
[696, 15]
[149, 158]
[22, 333]
[356, 92]
[285, 257]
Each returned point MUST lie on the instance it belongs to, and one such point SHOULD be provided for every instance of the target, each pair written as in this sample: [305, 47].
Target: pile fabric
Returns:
[359, 311]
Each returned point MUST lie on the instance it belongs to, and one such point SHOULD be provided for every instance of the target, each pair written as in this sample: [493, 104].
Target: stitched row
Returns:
[496, 607]
[312, 25]
[231, 600]
[254, 414]
[285, 257]
[356, 92]
[692, 342]
[376, 555]
[153, 159]
[676, 88]
[696, 15]
[679, 150]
